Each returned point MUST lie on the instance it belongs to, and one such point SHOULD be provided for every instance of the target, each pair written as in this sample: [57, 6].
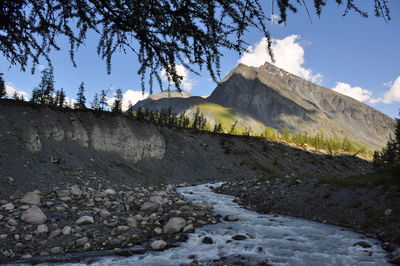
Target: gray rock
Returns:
[109, 192]
[13, 222]
[174, 225]
[85, 220]
[231, 218]
[131, 222]
[119, 230]
[158, 230]
[149, 207]
[65, 198]
[63, 193]
[8, 206]
[156, 199]
[239, 237]
[363, 244]
[66, 230]
[76, 191]
[188, 229]
[388, 212]
[56, 250]
[31, 198]
[87, 246]
[207, 205]
[54, 234]
[34, 215]
[158, 245]
[207, 240]
[81, 241]
[42, 229]
[105, 214]
[170, 188]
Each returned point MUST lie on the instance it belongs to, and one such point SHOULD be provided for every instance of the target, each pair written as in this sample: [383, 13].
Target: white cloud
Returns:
[130, 96]
[186, 83]
[288, 54]
[357, 93]
[392, 95]
[10, 89]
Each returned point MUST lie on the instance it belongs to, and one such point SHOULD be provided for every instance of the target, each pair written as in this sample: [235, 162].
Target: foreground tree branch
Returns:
[162, 33]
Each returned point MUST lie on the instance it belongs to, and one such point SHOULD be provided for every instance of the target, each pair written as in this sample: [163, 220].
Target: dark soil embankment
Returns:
[41, 148]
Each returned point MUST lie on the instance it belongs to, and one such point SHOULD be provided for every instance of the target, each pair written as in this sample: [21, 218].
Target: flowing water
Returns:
[276, 240]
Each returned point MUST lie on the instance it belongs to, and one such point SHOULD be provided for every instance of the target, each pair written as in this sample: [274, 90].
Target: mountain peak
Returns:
[283, 100]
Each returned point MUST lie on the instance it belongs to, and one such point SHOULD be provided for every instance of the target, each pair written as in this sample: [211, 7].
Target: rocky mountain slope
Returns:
[282, 100]
[42, 148]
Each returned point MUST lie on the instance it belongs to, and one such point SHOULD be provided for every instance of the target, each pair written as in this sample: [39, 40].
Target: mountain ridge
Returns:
[267, 96]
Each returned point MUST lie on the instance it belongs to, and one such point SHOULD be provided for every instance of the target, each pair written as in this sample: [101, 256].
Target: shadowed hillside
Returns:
[42, 147]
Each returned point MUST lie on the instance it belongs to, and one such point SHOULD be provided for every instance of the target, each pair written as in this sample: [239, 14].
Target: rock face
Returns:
[34, 215]
[174, 225]
[282, 100]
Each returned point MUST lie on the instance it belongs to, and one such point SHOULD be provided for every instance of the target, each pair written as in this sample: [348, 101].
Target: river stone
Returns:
[63, 193]
[81, 241]
[76, 191]
[42, 229]
[54, 233]
[149, 207]
[105, 214]
[66, 230]
[188, 229]
[363, 244]
[119, 230]
[170, 188]
[388, 212]
[158, 230]
[34, 215]
[231, 218]
[109, 192]
[85, 220]
[31, 198]
[156, 199]
[174, 225]
[158, 245]
[13, 222]
[239, 237]
[56, 250]
[207, 240]
[8, 206]
[131, 222]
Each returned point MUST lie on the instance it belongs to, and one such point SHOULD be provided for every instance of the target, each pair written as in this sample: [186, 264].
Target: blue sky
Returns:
[355, 56]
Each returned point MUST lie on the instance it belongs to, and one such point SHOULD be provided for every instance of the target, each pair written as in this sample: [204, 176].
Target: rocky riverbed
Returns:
[365, 210]
[81, 218]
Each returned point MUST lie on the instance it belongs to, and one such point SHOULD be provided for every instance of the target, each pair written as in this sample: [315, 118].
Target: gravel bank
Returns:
[92, 221]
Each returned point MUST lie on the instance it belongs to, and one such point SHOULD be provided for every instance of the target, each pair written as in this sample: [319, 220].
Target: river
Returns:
[271, 240]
